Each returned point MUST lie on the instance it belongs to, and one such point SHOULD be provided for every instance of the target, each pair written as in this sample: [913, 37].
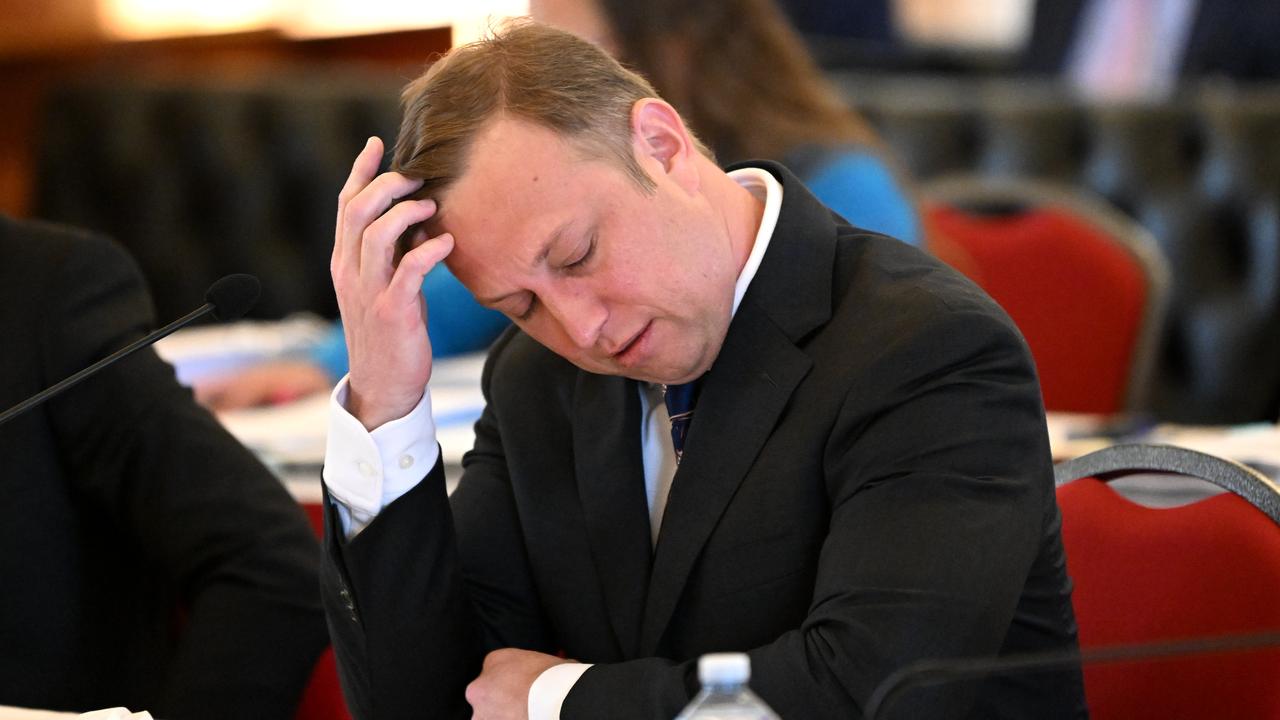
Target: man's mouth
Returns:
[633, 348]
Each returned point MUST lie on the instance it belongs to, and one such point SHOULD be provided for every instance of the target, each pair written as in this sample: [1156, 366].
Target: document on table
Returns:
[210, 350]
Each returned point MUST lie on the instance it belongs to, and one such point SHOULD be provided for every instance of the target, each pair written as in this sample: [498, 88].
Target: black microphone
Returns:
[933, 672]
[226, 299]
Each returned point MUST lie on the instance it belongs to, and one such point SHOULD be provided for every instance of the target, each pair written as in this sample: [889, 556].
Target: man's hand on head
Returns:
[502, 690]
[383, 314]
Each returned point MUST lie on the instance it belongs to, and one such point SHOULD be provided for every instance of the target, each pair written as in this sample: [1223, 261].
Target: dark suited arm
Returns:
[940, 489]
[411, 621]
[197, 504]
[398, 612]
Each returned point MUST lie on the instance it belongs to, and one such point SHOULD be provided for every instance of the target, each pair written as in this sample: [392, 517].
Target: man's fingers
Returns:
[363, 199]
[363, 171]
[363, 210]
[414, 266]
[378, 246]
[374, 200]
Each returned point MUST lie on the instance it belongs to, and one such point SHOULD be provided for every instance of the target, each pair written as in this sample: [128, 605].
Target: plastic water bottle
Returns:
[725, 695]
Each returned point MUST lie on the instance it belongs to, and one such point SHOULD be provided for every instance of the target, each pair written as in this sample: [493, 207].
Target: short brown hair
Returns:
[526, 70]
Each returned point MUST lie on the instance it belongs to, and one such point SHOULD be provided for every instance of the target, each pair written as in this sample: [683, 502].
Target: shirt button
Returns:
[366, 469]
[406, 462]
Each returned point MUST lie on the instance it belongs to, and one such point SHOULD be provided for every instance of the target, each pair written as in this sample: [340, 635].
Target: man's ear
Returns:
[662, 142]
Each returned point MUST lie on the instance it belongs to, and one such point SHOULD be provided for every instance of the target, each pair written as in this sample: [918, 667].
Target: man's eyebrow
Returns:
[540, 258]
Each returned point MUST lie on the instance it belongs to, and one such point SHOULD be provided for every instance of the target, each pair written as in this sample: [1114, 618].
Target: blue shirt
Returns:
[860, 187]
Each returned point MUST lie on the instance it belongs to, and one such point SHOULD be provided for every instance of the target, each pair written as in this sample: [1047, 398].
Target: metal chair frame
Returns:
[1120, 460]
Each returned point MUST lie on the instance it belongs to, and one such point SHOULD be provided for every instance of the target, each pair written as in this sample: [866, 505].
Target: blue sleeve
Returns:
[331, 353]
[456, 324]
[864, 191]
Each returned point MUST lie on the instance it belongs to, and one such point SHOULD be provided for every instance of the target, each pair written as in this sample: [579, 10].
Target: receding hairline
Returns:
[578, 143]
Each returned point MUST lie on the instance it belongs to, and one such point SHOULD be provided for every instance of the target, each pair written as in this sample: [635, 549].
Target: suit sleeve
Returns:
[412, 617]
[940, 487]
[199, 506]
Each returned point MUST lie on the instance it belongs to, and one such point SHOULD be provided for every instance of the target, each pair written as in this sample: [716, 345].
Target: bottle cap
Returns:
[724, 668]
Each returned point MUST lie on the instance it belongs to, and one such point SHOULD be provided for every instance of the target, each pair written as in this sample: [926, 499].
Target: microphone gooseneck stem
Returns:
[130, 348]
[927, 673]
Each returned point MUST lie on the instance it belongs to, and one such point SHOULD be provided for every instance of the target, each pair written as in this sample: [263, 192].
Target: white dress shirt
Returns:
[366, 471]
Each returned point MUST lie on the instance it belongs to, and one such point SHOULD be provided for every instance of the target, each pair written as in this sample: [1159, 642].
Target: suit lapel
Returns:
[610, 475]
[745, 392]
[738, 407]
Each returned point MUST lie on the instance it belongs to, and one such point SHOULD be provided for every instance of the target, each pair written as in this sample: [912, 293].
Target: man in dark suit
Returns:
[147, 559]
[865, 479]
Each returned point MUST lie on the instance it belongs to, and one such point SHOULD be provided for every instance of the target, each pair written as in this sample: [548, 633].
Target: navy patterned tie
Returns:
[680, 399]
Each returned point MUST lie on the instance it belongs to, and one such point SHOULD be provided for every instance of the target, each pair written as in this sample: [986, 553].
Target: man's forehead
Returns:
[507, 220]
[506, 143]
[505, 224]
[495, 269]
[524, 182]
[511, 165]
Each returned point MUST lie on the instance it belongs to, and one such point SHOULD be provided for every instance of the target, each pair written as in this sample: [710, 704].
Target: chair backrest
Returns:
[1200, 170]
[1086, 286]
[1145, 575]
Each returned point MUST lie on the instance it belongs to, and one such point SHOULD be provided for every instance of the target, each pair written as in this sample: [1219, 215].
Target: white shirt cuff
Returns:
[548, 692]
[366, 471]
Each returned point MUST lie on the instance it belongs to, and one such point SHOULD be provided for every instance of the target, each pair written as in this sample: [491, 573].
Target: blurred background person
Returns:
[1142, 49]
[148, 559]
[741, 75]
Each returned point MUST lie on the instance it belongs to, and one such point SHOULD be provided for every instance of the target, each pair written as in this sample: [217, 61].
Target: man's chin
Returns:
[666, 376]
[675, 374]
[644, 375]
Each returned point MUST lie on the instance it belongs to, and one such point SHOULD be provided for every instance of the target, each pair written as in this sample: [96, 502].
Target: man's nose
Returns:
[580, 314]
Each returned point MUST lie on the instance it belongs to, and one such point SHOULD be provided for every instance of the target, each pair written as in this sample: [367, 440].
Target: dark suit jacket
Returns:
[866, 482]
[124, 501]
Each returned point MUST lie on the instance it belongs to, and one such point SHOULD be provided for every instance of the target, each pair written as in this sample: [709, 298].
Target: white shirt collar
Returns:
[766, 188]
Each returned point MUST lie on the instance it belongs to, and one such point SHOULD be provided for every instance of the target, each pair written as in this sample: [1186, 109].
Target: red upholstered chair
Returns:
[1142, 575]
[1085, 285]
[315, 514]
[323, 699]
